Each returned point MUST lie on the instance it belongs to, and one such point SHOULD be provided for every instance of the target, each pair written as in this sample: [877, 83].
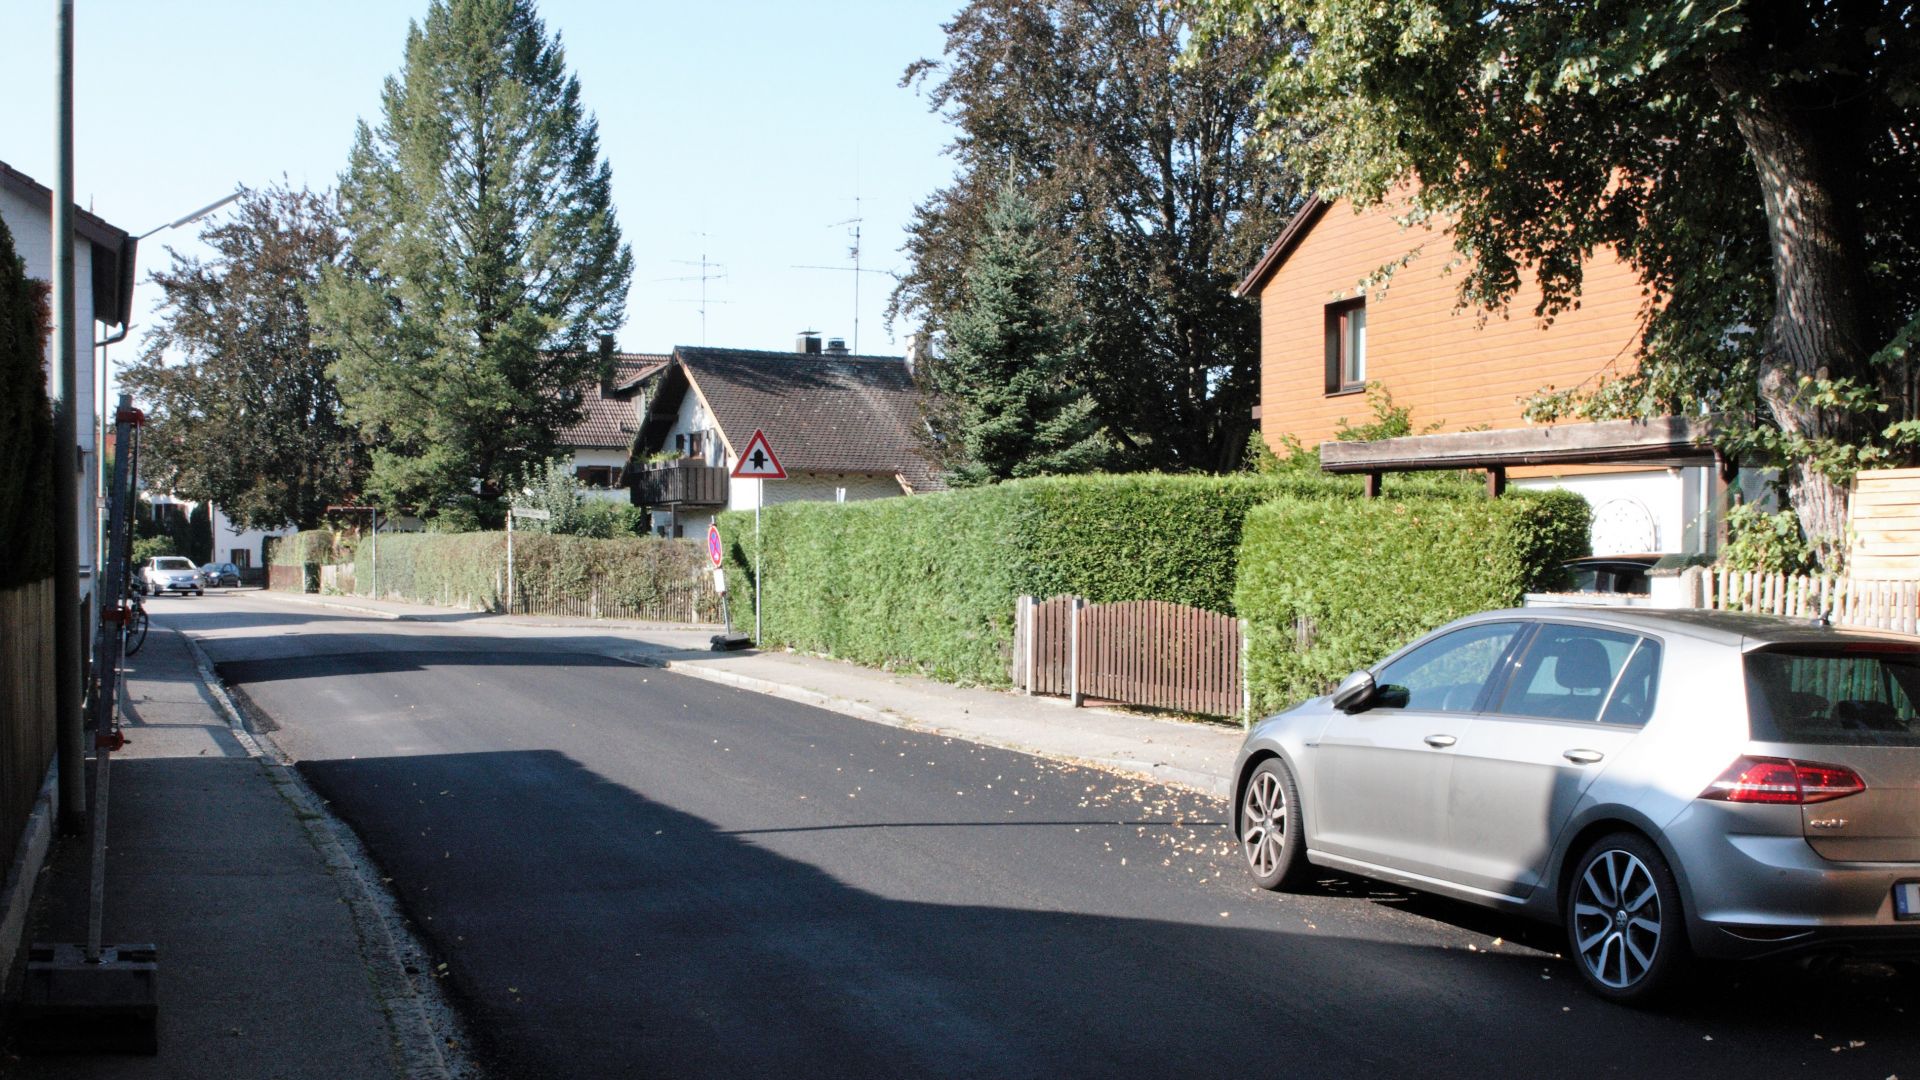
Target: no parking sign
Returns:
[713, 544]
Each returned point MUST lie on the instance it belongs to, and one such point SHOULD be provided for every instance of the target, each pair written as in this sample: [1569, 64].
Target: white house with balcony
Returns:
[844, 427]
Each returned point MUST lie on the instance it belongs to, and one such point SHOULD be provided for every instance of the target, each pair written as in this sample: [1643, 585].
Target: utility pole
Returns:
[69, 724]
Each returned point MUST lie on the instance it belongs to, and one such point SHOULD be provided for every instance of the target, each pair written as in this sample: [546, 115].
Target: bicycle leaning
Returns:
[135, 625]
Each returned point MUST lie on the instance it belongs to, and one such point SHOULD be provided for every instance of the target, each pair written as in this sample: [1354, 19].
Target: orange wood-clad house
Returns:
[1325, 335]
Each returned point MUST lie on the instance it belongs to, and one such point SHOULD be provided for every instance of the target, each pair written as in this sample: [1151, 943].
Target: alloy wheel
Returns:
[1617, 918]
[1265, 815]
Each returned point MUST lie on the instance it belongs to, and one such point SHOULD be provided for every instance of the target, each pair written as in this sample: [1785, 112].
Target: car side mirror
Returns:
[1355, 692]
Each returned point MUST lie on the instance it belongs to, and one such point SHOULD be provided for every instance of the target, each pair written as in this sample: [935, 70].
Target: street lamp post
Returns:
[103, 387]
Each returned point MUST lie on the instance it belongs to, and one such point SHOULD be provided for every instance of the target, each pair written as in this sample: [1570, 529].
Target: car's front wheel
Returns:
[1624, 924]
[1270, 833]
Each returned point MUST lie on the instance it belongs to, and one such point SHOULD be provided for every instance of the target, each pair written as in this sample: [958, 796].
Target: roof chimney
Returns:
[606, 364]
[836, 346]
[807, 343]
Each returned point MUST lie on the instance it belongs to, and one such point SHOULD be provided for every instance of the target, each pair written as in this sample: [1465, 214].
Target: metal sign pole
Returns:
[509, 560]
[759, 493]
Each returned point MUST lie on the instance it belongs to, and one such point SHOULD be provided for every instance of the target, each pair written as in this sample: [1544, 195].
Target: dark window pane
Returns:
[1834, 696]
[1567, 672]
[1638, 688]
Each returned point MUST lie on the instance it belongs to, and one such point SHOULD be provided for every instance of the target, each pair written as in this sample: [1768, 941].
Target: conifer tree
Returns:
[487, 256]
[1003, 406]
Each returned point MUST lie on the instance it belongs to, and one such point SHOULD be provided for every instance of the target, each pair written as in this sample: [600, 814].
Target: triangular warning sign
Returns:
[757, 461]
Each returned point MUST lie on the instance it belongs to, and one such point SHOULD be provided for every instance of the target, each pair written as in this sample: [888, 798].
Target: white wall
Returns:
[1663, 510]
[614, 458]
[227, 536]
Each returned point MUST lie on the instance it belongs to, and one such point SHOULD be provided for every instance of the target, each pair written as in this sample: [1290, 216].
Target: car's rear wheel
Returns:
[1270, 833]
[1623, 918]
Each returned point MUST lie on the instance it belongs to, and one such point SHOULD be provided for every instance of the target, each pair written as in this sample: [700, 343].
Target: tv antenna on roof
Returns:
[853, 255]
[709, 271]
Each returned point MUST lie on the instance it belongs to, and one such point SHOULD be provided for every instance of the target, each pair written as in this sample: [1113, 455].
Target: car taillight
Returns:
[1780, 780]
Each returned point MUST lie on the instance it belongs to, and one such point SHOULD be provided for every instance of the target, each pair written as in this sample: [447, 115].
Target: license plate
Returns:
[1906, 900]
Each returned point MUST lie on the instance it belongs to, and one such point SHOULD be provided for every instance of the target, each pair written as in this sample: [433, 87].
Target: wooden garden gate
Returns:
[1139, 652]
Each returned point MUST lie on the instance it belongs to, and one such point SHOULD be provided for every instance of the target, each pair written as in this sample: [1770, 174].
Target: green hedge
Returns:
[469, 569]
[1354, 579]
[306, 550]
[26, 426]
[928, 583]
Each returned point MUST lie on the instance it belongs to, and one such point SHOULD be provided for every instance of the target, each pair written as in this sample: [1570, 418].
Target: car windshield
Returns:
[1844, 696]
[173, 564]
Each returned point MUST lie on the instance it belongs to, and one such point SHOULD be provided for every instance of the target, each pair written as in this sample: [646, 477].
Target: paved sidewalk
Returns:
[1195, 755]
[274, 960]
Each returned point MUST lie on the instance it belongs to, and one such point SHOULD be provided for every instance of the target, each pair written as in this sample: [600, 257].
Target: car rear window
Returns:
[1844, 696]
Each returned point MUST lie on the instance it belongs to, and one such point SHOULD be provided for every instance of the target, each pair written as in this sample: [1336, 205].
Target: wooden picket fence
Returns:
[1879, 604]
[1140, 652]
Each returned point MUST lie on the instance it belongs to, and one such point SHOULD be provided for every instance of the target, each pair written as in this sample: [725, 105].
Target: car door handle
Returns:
[1440, 742]
[1583, 757]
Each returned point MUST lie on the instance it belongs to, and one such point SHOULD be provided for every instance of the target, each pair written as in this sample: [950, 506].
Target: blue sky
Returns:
[739, 130]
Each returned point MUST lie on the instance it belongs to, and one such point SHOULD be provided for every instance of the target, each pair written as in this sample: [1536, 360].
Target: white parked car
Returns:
[171, 573]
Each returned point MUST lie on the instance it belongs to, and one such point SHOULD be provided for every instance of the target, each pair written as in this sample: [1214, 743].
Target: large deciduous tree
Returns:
[1002, 400]
[487, 257]
[242, 411]
[1143, 170]
[1755, 162]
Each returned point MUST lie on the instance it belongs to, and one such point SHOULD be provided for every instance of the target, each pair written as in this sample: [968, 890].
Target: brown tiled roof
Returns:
[828, 414]
[607, 420]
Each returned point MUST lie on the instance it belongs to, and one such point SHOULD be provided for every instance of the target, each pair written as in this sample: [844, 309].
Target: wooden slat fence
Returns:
[26, 703]
[1880, 604]
[1141, 652]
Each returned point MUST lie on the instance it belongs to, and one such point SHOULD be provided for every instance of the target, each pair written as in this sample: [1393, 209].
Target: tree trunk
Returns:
[1817, 330]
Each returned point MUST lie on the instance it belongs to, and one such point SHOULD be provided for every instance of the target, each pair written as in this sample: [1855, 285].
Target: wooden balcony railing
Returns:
[687, 482]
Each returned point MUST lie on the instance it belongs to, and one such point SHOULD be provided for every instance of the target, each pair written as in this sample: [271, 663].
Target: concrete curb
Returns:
[375, 914]
[30, 857]
[1206, 783]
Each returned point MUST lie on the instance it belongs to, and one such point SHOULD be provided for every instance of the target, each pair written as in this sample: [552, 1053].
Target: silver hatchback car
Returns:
[1662, 784]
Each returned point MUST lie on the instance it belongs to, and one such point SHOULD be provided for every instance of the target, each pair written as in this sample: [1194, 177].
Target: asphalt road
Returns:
[632, 873]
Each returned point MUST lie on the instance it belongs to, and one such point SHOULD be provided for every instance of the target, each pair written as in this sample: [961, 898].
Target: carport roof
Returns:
[1664, 441]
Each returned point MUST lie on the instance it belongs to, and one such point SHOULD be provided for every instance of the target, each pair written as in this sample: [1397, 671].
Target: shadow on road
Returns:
[594, 931]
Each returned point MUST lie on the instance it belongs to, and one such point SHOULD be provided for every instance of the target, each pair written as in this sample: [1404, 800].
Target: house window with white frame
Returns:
[1347, 346]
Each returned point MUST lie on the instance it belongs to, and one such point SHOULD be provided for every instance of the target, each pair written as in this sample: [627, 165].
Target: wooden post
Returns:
[1023, 615]
[1074, 607]
[1372, 489]
[1246, 683]
[1496, 481]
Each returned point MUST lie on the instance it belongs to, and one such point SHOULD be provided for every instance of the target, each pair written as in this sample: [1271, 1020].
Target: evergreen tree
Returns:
[487, 258]
[1136, 147]
[1002, 403]
[241, 410]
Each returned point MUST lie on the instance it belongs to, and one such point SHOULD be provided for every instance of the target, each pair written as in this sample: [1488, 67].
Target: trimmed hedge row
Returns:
[1331, 585]
[469, 569]
[303, 552]
[928, 583]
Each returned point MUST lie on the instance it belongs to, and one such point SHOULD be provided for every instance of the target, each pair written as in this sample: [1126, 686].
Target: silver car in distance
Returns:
[1662, 784]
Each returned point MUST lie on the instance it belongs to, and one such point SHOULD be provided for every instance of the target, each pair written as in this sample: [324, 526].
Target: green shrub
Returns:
[1331, 585]
[469, 570]
[26, 426]
[928, 583]
[151, 547]
[1768, 543]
